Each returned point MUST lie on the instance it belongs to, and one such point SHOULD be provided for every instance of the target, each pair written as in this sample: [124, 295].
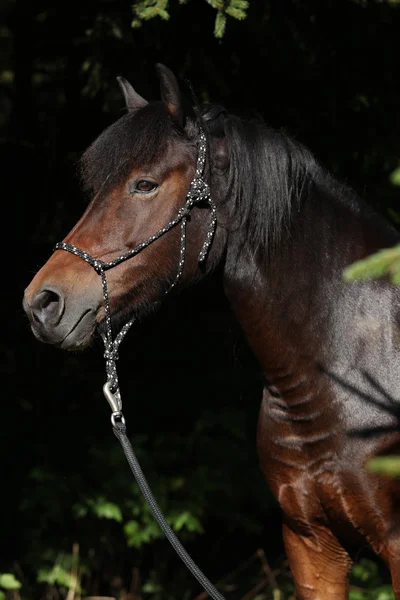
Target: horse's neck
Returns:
[295, 309]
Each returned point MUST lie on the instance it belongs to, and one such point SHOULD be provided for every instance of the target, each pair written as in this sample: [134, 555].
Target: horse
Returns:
[281, 230]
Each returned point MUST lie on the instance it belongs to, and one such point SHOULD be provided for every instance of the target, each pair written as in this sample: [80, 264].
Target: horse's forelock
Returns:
[138, 138]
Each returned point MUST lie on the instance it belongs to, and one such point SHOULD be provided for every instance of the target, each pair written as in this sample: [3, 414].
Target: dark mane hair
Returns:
[268, 174]
[139, 137]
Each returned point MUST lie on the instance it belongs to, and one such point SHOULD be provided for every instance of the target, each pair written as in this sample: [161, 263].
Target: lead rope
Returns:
[199, 191]
[120, 431]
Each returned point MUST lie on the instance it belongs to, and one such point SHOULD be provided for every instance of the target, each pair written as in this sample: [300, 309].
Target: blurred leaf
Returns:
[139, 534]
[365, 570]
[357, 595]
[395, 177]
[188, 521]
[8, 581]
[59, 575]
[102, 508]
[386, 261]
[388, 465]
[151, 587]
[383, 592]
[108, 510]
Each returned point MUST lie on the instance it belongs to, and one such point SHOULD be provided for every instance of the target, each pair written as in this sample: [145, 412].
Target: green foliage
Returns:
[58, 575]
[65, 573]
[384, 592]
[148, 9]
[365, 572]
[8, 581]
[100, 507]
[113, 515]
[387, 465]
[384, 262]
[237, 9]
[140, 533]
[367, 582]
[395, 175]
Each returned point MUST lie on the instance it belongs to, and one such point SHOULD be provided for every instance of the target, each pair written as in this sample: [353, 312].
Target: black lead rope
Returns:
[199, 191]
[120, 431]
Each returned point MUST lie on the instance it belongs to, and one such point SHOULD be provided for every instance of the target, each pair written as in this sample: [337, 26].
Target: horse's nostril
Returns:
[47, 307]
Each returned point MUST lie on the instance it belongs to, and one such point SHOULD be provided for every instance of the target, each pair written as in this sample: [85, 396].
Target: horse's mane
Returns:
[269, 174]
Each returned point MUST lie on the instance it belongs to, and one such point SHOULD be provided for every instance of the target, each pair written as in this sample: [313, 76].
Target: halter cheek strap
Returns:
[199, 191]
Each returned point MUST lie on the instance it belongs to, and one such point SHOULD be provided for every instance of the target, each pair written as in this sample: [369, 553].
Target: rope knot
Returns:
[98, 266]
[184, 212]
[199, 191]
[111, 354]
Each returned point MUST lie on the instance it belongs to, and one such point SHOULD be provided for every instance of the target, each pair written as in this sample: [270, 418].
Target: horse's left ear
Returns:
[133, 100]
[171, 95]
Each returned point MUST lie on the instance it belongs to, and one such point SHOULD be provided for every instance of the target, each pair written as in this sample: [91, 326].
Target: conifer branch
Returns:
[144, 10]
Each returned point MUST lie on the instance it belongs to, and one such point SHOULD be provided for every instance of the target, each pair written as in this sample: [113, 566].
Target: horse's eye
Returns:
[143, 186]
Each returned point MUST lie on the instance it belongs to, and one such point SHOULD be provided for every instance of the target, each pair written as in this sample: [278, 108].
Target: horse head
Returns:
[143, 177]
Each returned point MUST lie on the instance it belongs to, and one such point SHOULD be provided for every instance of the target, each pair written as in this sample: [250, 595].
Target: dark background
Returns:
[325, 71]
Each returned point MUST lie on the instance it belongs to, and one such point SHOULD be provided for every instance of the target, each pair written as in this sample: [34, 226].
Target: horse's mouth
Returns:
[75, 336]
[81, 334]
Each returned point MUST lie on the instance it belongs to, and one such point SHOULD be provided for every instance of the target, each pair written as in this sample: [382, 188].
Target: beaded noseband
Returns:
[199, 191]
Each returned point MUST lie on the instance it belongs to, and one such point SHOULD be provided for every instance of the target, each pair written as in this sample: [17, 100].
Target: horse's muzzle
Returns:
[54, 320]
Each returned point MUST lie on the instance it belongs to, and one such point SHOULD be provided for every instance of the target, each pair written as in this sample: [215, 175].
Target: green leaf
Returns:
[151, 587]
[108, 510]
[80, 510]
[395, 177]
[237, 9]
[148, 9]
[220, 24]
[139, 534]
[384, 592]
[2, 595]
[187, 520]
[377, 265]
[58, 575]
[388, 465]
[395, 272]
[357, 595]
[9, 582]
[100, 507]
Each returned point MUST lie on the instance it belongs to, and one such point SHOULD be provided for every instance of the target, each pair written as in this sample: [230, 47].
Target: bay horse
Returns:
[285, 229]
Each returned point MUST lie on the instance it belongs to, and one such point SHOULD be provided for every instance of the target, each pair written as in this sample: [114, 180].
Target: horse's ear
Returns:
[171, 95]
[220, 156]
[132, 99]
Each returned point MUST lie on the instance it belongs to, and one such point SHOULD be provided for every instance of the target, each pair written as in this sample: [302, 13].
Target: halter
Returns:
[199, 191]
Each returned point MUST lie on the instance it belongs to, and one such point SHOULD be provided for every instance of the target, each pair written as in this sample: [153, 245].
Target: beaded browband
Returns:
[199, 191]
